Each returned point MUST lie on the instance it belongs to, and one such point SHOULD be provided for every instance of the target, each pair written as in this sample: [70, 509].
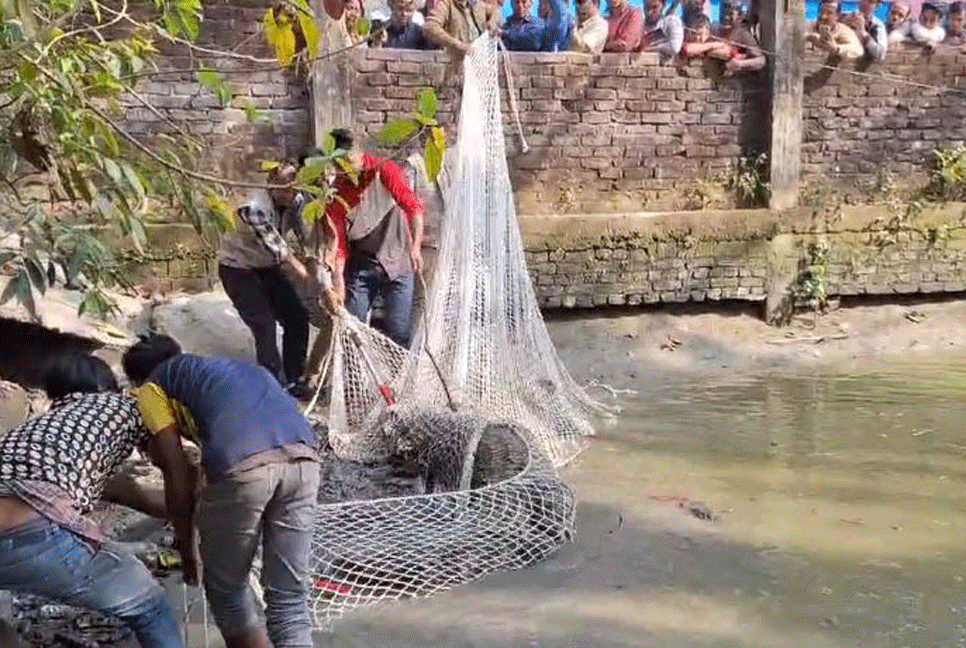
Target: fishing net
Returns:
[482, 406]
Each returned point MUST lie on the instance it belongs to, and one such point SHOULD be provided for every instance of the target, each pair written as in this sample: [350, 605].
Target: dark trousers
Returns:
[365, 278]
[262, 297]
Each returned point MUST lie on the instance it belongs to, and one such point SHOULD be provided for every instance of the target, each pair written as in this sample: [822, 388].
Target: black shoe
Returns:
[300, 391]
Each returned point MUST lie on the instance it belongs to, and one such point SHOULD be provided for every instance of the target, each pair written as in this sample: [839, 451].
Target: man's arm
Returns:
[336, 214]
[435, 32]
[876, 41]
[628, 38]
[674, 33]
[596, 37]
[395, 181]
[264, 227]
[180, 477]
[179, 495]
[847, 43]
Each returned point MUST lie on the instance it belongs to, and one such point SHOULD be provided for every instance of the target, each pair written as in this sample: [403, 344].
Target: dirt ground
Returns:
[628, 349]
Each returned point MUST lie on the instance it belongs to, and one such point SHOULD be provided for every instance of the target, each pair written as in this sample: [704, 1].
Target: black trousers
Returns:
[262, 297]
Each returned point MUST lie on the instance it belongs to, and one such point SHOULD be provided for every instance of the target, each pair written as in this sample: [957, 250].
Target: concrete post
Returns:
[783, 37]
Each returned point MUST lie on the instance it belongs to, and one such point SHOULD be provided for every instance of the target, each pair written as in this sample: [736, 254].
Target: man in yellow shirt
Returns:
[261, 484]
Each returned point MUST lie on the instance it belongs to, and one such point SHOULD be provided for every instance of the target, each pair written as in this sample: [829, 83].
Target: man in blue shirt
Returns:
[556, 31]
[402, 32]
[523, 32]
[261, 484]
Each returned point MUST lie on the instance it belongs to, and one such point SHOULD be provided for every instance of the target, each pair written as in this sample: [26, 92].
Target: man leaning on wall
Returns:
[455, 24]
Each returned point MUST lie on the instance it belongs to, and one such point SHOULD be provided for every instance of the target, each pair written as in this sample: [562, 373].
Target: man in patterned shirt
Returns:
[53, 468]
[250, 261]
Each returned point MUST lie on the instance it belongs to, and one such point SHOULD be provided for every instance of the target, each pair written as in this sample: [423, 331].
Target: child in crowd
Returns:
[698, 40]
[351, 19]
[955, 20]
[929, 31]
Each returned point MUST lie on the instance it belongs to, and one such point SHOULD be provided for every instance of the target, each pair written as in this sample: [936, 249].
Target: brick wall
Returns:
[594, 260]
[610, 133]
[856, 126]
[234, 146]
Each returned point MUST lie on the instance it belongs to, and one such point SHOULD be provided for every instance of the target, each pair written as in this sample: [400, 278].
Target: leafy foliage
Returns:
[948, 178]
[403, 130]
[811, 286]
[75, 186]
[749, 181]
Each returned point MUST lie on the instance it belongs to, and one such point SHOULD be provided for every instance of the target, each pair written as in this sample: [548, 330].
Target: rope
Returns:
[512, 91]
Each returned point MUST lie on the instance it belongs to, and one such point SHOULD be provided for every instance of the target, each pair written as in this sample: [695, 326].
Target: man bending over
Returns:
[378, 221]
[261, 483]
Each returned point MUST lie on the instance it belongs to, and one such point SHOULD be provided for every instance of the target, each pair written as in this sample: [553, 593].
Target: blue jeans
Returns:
[44, 559]
[364, 279]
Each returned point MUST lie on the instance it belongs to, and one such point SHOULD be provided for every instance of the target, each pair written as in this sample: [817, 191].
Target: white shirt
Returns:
[924, 35]
[593, 31]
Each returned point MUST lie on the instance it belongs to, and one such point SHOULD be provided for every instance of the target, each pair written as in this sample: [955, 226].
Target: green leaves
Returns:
[398, 131]
[19, 287]
[311, 172]
[427, 103]
[312, 212]
[220, 213]
[98, 304]
[309, 26]
[182, 17]
[215, 84]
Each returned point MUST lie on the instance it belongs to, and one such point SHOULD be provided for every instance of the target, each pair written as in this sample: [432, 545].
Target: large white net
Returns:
[482, 413]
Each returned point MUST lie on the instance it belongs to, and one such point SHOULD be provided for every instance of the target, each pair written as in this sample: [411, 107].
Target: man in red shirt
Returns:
[378, 238]
[625, 27]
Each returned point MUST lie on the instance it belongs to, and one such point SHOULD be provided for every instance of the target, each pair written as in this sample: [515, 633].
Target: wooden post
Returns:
[331, 79]
[783, 36]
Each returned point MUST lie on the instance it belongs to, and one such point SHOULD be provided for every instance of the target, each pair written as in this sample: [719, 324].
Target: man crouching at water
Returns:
[53, 469]
[261, 484]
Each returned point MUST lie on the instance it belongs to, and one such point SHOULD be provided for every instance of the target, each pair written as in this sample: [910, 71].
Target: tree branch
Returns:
[275, 66]
[119, 15]
[204, 177]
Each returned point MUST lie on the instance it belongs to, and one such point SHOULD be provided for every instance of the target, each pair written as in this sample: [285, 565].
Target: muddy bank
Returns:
[636, 349]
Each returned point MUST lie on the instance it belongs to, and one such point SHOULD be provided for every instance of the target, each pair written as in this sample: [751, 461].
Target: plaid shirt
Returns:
[54, 504]
[270, 226]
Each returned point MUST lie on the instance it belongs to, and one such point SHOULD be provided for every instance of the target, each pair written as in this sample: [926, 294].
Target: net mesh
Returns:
[483, 407]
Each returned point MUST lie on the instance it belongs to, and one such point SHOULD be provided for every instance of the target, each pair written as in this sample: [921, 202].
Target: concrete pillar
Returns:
[782, 273]
[783, 37]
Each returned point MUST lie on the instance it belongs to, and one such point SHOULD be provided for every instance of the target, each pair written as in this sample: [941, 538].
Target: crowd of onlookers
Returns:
[659, 27]
[863, 34]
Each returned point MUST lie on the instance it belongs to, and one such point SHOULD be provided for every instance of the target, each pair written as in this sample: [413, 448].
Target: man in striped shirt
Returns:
[378, 220]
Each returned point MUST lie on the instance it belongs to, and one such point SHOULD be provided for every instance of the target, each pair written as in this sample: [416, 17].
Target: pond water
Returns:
[840, 497]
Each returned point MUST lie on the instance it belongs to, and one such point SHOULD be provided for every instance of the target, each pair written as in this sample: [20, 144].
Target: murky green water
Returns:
[842, 503]
[841, 498]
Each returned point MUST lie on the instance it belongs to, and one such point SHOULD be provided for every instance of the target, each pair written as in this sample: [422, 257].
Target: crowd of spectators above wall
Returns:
[675, 29]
